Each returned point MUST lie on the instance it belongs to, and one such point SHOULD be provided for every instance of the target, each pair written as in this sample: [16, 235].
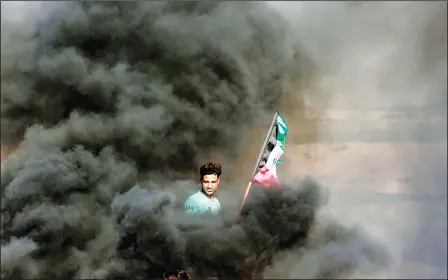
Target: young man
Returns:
[204, 201]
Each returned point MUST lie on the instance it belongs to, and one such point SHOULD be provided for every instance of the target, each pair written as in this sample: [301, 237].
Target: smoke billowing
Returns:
[107, 95]
[145, 78]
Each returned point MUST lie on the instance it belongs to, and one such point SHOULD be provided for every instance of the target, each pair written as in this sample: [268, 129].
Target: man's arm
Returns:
[190, 206]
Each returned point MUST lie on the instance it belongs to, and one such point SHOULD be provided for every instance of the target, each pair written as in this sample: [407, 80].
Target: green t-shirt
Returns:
[201, 203]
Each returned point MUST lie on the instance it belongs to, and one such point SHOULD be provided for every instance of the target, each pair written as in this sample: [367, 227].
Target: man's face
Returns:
[210, 184]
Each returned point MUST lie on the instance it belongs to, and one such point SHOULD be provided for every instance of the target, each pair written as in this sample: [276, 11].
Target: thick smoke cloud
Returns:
[178, 64]
[108, 95]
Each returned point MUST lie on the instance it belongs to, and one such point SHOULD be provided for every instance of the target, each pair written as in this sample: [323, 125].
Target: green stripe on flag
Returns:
[282, 130]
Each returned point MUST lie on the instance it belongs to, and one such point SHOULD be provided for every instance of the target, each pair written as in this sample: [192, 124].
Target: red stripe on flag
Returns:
[266, 178]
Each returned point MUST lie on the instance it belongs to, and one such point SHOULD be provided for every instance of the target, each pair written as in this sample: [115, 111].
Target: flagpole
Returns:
[249, 185]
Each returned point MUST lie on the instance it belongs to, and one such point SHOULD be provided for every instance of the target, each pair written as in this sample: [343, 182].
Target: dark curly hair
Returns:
[210, 168]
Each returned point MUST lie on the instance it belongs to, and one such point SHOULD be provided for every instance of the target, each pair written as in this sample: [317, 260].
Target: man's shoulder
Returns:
[194, 197]
[192, 203]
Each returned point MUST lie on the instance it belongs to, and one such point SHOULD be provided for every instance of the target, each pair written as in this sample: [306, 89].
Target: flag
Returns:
[266, 175]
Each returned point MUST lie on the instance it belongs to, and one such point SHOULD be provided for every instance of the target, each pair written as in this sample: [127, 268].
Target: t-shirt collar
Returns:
[206, 195]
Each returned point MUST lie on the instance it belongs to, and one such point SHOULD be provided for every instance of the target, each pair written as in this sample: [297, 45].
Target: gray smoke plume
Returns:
[108, 95]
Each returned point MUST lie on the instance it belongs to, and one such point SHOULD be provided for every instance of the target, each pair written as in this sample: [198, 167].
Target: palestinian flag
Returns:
[266, 174]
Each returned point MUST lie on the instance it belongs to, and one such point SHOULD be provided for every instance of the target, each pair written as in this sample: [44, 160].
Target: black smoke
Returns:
[104, 95]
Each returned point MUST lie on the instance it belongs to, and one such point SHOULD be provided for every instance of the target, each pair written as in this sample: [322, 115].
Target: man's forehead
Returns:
[210, 177]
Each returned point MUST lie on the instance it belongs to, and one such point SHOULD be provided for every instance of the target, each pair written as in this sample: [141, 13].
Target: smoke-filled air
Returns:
[114, 106]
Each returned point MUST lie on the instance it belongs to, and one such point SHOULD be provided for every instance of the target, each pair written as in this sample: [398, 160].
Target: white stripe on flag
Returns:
[267, 175]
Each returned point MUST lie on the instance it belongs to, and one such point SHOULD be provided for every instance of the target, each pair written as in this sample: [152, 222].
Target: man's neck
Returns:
[207, 195]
